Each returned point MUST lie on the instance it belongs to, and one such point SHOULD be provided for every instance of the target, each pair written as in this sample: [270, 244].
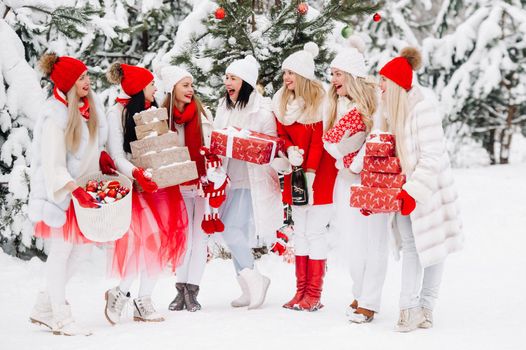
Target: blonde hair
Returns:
[361, 91]
[311, 91]
[396, 112]
[73, 133]
[166, 102]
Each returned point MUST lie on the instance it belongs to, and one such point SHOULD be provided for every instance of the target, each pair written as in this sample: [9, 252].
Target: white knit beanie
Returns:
[247, 69]
[302, 62]
[171, 75]
[350, 59]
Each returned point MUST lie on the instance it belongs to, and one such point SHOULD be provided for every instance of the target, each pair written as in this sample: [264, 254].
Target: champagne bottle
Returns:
[300, 195]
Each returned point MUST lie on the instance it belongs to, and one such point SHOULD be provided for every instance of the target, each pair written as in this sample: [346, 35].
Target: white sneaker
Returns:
[410, 319]
[115, 302]
[244, 299]
[144, 310]
[42, 313]
[257, 287]
[64, 324]
[428, 322]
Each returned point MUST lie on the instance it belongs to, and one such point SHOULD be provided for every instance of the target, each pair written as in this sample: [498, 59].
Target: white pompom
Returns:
[312, 48]
[252, 60]
[158, 69]
[356, 42]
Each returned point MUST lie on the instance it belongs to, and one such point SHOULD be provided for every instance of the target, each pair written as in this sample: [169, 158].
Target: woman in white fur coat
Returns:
[67, 143]
[253, 204]
[428, 227]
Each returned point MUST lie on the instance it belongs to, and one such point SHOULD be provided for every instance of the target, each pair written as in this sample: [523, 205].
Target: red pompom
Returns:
[377, 17]
[303, 8]
[220, 13]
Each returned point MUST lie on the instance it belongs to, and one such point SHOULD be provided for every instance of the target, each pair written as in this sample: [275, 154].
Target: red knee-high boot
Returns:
[315, 274]
[301, 281]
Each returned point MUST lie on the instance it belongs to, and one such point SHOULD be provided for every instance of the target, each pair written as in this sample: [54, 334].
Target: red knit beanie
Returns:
[400, 69]
[133, 79]
[63, 71]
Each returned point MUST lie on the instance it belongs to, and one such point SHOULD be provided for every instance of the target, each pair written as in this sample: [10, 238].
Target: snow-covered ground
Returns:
[482, 304]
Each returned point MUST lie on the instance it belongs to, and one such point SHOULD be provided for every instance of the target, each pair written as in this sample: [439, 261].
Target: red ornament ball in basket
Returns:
[303, 8]
[220, 13]
[106, 192]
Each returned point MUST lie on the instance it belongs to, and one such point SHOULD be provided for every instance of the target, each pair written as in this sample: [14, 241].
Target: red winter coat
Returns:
[309, 139]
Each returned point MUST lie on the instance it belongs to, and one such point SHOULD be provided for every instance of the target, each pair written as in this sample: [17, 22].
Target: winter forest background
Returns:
[474, 51]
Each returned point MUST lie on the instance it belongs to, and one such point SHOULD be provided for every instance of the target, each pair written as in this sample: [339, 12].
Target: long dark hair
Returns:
[136, 105]
[243, 97]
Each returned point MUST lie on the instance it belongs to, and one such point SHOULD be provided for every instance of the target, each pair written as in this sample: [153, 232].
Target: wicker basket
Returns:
[109, 222]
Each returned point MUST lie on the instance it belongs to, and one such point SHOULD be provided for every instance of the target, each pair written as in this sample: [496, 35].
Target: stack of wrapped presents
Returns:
[156, 150]
[381, 178]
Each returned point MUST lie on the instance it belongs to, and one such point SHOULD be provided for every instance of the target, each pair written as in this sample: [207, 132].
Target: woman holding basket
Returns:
[157, 235]
[67, 143]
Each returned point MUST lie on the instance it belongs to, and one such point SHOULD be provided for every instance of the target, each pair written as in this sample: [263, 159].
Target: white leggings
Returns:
[193, 267]
[310, 230]
[147, 283]
[62, 263]
[420, 286]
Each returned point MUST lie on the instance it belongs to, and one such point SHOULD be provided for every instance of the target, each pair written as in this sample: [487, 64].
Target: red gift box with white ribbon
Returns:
[246, 145]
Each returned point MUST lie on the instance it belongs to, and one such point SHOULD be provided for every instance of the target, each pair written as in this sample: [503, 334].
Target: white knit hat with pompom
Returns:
[302, 62]
[350, 59]
[246, 69]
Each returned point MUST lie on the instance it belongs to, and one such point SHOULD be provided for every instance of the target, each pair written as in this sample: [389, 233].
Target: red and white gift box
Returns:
[380, 145]
[375, 199]
[389, 165]
[242, 144]
[383, 180]
[381, 136]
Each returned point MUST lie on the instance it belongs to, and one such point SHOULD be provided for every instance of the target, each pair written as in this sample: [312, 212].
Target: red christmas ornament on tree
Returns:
[302, 8]
[377, 17]
[220, 13]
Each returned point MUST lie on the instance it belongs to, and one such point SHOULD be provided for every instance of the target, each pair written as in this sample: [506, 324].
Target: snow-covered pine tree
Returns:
[480, 70]
[20, 99]
[269, 36]
[402, 23]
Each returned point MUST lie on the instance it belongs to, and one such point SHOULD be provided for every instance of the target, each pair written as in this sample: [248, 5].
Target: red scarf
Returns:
[193, 136]
[124, 102]
[84, 109]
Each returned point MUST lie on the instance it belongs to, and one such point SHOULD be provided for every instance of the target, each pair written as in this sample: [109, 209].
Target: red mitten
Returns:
[84, 198]
[218, 224]
[279, 247]
[208, 224]
[408, 202]
[145, 181]
[365, 212]
[106, 164]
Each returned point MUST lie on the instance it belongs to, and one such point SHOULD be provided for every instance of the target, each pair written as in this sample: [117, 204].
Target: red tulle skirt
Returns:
[157, 234]
[69, 232]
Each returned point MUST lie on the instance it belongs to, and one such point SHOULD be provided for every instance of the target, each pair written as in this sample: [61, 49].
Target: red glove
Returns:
[107, 165]
[408, 202]
[85, 200]
[365, 212]
[145, 181]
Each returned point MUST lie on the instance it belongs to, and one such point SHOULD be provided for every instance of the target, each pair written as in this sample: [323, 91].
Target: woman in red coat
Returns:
[298, 109]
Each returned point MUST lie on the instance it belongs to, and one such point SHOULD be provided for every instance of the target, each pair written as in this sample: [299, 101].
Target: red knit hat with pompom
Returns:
[63, 70]
[133, 79]
[400, 69]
